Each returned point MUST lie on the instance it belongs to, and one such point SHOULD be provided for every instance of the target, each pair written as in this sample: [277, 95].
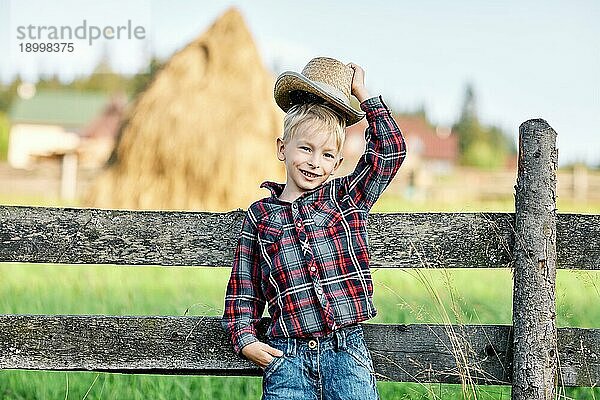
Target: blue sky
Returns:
[526, 59]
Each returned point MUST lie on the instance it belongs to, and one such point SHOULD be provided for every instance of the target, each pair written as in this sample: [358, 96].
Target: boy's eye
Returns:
[305, 148]
[329, 155]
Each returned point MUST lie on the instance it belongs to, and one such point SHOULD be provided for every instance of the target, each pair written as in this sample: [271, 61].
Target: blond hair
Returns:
[314, 115]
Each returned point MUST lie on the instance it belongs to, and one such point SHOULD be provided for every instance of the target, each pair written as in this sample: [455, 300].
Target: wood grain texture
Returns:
[198, 346]
[534, 302]
[422, 240]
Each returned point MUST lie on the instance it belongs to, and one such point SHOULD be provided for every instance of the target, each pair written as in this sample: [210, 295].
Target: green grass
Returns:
[477, 297]
[80, 385]
[481, 296]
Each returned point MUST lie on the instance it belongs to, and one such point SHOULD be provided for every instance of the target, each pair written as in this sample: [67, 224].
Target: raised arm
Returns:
[385, 150]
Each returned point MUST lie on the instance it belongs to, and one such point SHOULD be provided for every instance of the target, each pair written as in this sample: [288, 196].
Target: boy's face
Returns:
[310, 158]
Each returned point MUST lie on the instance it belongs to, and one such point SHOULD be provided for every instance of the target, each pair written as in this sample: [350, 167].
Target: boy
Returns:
[303, 250]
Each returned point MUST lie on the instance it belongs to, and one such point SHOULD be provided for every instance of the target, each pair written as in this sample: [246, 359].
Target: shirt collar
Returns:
[275, 188]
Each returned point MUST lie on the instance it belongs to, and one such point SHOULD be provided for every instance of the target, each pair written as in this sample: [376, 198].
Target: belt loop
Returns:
[291, 347]
[340, 336]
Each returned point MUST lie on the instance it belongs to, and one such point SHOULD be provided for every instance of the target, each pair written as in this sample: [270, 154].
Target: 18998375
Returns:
[50, 47]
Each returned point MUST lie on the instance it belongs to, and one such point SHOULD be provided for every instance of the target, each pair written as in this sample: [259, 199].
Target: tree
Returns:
[8, 94]
[4, 129]
[102, 79]
[479, 145]
[140, 81]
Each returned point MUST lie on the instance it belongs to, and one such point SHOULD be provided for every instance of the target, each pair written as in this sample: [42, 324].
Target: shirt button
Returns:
[319, 291]
[299, 224]
[294, 206]
[313, 269]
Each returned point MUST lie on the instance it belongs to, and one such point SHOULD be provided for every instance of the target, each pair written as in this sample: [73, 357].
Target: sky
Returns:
[525, 59]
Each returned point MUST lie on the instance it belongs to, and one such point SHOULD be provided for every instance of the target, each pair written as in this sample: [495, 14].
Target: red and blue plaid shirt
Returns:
[309, 259]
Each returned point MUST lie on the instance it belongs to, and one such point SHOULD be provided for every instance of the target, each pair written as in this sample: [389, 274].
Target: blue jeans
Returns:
[334, 367]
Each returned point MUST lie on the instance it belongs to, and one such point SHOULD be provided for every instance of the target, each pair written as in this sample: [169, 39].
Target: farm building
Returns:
[431, 152]
[53, 124]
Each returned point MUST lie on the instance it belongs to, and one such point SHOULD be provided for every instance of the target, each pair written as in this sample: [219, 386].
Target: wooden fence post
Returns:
[534, 305]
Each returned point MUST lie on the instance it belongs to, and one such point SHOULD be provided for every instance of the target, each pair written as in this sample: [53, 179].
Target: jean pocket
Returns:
[273, 366]
[359, 352]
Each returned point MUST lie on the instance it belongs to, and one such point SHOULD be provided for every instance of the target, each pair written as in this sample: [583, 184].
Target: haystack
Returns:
[202, 135]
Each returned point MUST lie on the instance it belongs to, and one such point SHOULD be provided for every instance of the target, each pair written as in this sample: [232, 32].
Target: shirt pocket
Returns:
[326, 214]
[269, 234]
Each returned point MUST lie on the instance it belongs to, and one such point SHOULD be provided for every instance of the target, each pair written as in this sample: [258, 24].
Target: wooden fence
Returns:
[532, 355]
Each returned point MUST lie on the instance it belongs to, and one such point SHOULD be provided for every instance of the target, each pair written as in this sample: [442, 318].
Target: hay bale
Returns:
[202, 135]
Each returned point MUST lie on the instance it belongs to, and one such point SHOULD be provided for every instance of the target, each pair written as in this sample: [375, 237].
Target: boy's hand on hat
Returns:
[261, 353]
[358, 83]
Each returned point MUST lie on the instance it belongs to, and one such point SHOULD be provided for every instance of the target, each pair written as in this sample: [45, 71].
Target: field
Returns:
[402, 296]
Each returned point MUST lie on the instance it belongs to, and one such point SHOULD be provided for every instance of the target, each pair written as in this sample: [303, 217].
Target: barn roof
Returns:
[59, 107]
[433, 142]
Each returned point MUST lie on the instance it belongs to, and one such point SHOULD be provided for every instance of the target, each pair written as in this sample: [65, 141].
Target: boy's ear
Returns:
[338, 163]
[280, 150]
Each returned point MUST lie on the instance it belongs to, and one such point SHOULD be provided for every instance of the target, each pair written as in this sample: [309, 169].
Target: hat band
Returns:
[332, 90]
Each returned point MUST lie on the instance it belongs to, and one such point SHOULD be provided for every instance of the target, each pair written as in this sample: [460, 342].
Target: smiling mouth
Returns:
[309, 174]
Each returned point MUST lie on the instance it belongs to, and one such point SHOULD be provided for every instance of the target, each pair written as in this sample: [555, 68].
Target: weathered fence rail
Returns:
[534, 241]
[434, 240]
[197, 345]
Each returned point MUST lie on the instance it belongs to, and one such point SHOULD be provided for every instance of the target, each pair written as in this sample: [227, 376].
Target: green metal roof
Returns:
[66, 108]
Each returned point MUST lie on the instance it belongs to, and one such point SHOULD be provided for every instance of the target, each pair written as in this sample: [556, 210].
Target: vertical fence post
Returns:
[534, 305]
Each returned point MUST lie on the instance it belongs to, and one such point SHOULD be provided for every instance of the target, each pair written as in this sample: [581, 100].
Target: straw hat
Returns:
[322, 80]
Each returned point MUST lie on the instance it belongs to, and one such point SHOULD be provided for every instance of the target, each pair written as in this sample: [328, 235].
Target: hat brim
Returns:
[290, 81]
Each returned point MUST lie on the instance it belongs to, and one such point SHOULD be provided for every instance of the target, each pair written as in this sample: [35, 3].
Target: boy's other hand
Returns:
[260, 353]
[358, 83]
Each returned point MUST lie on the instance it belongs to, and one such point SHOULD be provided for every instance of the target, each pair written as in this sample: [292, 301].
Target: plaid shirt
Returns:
[309, 259]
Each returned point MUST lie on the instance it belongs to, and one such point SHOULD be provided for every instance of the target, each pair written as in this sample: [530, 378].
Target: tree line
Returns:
[480, 145]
